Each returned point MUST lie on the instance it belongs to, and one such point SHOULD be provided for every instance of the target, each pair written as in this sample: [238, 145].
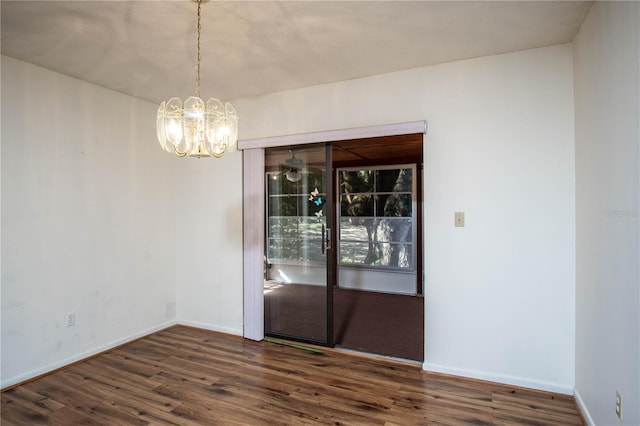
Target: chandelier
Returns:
[194, 128]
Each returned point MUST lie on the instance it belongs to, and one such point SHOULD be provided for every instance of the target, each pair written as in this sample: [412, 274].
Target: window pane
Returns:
[312, 250]
[394, 205]
[295, 250]
[356, 228]
[279, 184]
[376, 254]
[311, 228]
[352, 253]
[356, 205]
[356, 181]
[291, 249]
[280, 227]
[314, 180]
[394, 180]
[295, 239]
[283, 248]
[397, 255]
[394, 230]
[288, 205]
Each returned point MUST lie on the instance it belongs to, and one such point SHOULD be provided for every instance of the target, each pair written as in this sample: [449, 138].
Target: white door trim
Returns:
[253, 243]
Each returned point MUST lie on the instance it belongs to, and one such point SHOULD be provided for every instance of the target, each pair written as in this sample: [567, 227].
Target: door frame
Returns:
[253, 206]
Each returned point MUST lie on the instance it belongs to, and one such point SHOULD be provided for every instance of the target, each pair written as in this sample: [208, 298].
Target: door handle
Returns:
[326, 239]
[323, 248]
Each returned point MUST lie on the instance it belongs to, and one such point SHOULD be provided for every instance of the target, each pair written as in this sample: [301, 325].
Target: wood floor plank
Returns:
[63, 388]
[146, 406]
[33, 401]
[67, 416]
[186, 376]
[102, 379]
[534, 407]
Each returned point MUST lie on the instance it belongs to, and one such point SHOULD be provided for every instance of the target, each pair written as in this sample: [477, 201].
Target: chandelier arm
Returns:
[180, 153]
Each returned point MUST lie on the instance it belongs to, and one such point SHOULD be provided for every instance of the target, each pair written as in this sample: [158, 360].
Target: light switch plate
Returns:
[459, 219]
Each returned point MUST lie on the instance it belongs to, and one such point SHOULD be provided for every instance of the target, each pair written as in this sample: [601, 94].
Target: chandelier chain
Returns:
[198, 61]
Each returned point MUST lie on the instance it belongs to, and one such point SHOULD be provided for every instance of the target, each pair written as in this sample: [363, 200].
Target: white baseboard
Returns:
[226, 330]
[81, 356]
[583, 408]
[498, 378]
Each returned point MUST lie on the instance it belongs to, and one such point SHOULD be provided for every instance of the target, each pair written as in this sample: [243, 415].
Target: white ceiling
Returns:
[148, 48]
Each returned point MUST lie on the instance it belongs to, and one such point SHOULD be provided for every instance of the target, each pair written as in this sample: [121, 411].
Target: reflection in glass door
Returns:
[296, 293]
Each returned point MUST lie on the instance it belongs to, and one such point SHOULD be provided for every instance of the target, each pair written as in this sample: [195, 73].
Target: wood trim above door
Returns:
[336, 135]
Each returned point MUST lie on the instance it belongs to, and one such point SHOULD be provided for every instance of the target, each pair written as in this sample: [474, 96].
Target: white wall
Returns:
[500, 146]
[87, 220]
[209, 243]
[607, 93]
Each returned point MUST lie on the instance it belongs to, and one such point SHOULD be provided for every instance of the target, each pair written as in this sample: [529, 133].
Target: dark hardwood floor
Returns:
[193, 377]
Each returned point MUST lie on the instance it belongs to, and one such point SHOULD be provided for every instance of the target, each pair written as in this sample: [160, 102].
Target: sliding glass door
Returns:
[298, 248]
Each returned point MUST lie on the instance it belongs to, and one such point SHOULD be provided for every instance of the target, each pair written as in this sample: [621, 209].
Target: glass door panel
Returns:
[297, 243]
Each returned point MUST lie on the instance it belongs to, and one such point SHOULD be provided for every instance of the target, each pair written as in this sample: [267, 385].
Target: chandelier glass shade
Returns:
[194, 128]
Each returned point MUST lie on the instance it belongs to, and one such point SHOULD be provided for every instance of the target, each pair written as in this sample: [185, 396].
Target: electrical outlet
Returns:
[70, 319]
[619, 404]
[459, 219]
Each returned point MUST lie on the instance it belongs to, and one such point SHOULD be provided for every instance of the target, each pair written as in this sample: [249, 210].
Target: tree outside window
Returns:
[376, 217]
